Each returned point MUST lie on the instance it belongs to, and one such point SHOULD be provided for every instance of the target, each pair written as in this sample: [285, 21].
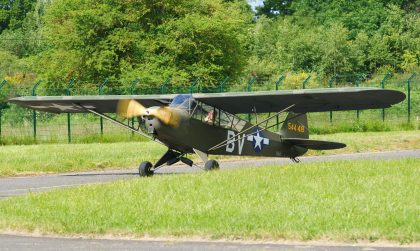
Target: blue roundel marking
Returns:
[258, 140]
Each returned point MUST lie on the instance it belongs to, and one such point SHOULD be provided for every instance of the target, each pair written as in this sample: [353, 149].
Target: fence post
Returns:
[1, 107]
[1, 115]
[408, 96]
[387, 75]
[281, 78]
[68, 88]
[278, 82]
[248, 88]
[164, 84]
[359, 79]
[193, 84]
[250, 83]
[306, 81]
[101, 120]
[34, 112]
[2, 83]
[330, 84]
[132, 87]
[358, 111]
[222, 83]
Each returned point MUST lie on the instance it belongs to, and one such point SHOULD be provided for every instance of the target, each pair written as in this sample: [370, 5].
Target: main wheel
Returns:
[144, 169]
[211, 165]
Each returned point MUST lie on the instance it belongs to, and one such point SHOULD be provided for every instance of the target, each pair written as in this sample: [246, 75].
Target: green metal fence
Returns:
[23, 126]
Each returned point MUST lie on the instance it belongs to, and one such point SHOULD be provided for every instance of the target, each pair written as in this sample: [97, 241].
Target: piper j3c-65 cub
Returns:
[209, 123]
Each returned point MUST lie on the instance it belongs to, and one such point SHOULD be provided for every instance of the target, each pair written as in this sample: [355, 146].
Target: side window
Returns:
[211, 115]
[198, 113]
[205, 113]
[226, 119]
[238, 124]
[189, 105]
[214, 116]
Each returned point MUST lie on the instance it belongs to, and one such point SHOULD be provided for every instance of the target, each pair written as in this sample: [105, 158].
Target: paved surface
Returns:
[22, 185]
[22, 243]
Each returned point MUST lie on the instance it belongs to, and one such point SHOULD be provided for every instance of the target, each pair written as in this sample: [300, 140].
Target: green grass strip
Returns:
[343, 200]
[59, 158]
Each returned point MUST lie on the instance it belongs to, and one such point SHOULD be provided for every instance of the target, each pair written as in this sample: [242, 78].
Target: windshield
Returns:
[183, 101]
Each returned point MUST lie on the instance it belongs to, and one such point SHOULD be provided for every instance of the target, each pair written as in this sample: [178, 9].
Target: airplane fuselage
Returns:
[194, 134]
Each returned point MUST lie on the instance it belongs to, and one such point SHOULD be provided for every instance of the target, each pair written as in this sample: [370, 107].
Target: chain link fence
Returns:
[24, 126]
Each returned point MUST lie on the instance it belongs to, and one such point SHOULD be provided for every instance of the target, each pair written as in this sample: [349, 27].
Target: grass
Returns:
[371, 141]
[343, 201]
[56, 158]
[83, 130]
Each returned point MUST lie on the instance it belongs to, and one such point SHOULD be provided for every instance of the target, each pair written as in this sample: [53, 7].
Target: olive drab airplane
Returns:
[211, 124]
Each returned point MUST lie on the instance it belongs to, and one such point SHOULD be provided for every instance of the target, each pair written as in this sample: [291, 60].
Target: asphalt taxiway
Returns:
[26, 243]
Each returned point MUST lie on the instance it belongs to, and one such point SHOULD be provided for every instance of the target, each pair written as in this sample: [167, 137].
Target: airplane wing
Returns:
[73, 104]
[305, 100]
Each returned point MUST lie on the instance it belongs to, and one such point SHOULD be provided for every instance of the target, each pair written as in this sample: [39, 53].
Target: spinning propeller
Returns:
[131, 108]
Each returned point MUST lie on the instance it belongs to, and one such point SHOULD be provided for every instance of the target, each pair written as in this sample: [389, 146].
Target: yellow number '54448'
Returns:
[295, 127]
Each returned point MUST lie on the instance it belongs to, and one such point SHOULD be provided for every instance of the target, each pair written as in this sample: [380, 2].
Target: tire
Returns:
[144, 169]
[211, 165]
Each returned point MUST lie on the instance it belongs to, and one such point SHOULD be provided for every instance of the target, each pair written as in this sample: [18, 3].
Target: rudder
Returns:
[295, 126]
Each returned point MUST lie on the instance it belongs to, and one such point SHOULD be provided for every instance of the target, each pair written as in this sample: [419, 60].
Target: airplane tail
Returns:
[295, 132]
[295, 126]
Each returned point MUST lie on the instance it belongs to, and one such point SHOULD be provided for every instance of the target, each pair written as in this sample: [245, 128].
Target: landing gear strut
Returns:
[169, 158]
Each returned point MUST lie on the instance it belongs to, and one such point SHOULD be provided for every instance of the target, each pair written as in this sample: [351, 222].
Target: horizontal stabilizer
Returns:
[314, 144]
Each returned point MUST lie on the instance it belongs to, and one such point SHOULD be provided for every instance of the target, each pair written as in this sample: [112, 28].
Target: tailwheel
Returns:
[211, 165]
[296, 160]
[145, 169]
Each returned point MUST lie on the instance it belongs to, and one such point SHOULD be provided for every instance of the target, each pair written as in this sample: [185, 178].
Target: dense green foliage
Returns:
[337, 37]
[123, 40]
[13, 13]
[128, 39]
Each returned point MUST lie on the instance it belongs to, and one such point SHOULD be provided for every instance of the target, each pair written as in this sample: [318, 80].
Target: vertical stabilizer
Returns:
[295, 126]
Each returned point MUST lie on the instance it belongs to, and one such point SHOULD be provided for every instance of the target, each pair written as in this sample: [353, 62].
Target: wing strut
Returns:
[120, 124]
[223, 143]
[238, 138]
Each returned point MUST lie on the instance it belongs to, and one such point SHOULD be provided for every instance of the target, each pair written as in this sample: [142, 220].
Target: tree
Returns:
[153, 39]
[26, 39]
[273, 8]
[339, 55]
[13, 12]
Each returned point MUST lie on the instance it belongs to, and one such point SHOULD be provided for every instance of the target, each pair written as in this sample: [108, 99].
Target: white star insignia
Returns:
[258, 140]
[63, 108]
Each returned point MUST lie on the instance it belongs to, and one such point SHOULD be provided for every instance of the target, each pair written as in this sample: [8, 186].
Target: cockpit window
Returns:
[214, 116]
[183, 101]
